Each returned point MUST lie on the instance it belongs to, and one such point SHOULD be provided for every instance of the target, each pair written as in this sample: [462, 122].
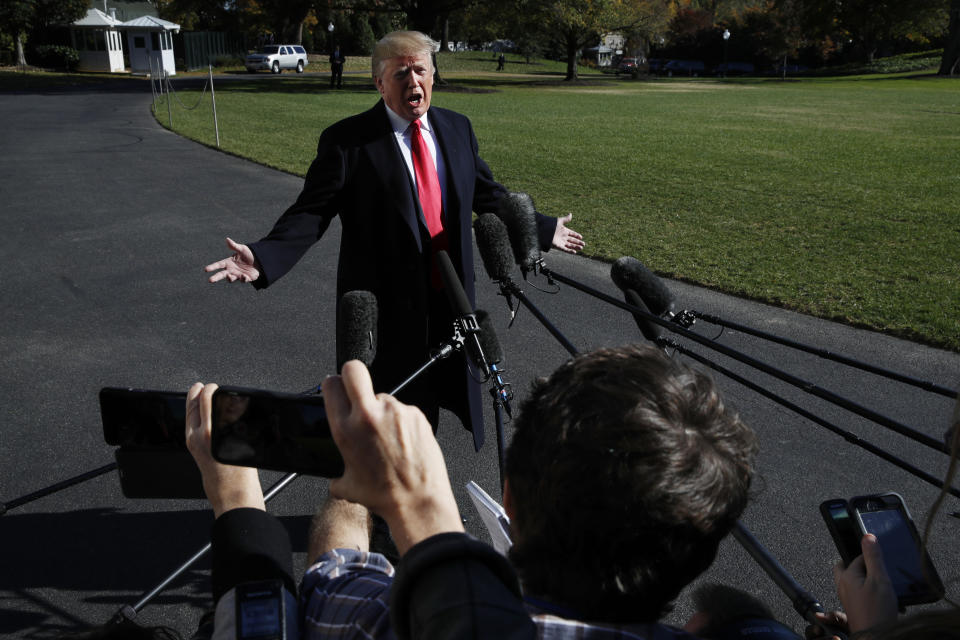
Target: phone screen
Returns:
[260, 611]
[843, 528]
[260, 618]
[277, 431]
[899, 548]
[886, 518]
[143, 419]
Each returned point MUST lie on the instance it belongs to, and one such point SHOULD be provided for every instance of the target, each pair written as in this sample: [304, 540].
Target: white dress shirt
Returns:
[401, 129]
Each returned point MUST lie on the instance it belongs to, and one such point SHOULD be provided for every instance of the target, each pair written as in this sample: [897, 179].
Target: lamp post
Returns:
[330, 37]
[726, 39]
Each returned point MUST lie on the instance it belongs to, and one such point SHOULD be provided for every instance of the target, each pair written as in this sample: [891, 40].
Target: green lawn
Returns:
[838, 197]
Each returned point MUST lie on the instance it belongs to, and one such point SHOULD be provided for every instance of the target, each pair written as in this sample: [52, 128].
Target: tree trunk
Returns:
[436, 70]
[445, 33]
[21, 61]
[573, 52]
[950, 64]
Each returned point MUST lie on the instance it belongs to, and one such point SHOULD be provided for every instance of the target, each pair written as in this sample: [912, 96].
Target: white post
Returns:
[213, 97]
[153, 90]
[166, 81]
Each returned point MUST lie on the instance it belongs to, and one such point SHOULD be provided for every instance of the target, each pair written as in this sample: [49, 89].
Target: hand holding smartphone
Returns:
[251, 428]
[912, 573]
[276, 431]
[148, 429]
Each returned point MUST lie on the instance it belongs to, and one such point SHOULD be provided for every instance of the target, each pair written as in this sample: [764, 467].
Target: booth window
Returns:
[138, 42]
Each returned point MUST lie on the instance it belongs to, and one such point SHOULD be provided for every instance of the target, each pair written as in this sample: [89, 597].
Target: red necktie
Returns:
[428, 186]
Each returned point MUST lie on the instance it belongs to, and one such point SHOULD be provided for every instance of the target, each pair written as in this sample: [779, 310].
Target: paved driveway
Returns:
[108, 220]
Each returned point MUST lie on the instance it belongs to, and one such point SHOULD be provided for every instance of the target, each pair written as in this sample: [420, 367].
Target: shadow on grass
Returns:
[308, 83]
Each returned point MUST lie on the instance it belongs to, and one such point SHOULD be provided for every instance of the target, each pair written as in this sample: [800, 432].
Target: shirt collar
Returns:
[400, 124]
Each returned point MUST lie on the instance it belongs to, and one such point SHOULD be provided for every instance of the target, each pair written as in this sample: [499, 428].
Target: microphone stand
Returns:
[129, 612]
[803, 603]
[823, 353]
[808, 387]
[54, 488]
[444, 352]
[508, 287]
[846, 435]
[686, 317]
[501, 394]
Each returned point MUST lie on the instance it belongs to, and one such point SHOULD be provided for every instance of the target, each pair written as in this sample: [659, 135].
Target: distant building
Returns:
[124, 11]
[97, 39]
[610, 45]
[150, 44]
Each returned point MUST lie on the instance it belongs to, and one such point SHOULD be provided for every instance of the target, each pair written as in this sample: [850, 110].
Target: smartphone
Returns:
[143, 419]
[276, 431]
[148, 429]
[261, 611]
[842, 527]
[914, 577]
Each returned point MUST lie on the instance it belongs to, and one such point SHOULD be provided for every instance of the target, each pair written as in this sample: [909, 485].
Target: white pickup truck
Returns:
[277, 57]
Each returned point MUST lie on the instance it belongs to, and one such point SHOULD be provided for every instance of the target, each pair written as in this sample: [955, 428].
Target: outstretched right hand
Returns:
[240, 266]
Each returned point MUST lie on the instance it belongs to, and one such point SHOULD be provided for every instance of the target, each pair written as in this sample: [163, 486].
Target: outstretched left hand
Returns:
[565, 238]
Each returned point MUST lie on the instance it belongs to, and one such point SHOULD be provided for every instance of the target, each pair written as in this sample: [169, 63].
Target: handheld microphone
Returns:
[629, 273]
[520, 216]
[465, 320]
[357, 328]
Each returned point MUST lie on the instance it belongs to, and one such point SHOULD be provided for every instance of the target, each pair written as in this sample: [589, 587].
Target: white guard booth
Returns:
[97, 40]
[150, 43]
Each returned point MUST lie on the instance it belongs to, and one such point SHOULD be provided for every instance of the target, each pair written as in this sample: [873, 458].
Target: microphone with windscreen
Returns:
[464, 318]
[630, 273]
[644, 290]
[520, 216]
[357, 328]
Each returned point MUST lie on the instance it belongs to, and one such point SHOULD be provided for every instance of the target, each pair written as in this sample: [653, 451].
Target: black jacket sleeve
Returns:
[452, 586]
[249, 545]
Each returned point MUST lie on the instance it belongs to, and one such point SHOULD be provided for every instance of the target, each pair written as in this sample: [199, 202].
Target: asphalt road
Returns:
[108, 220]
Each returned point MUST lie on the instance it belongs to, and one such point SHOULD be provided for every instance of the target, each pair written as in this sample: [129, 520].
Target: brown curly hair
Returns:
[626, 469]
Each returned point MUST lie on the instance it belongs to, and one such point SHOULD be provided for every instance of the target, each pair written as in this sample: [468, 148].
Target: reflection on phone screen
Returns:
[900, 552]
[274, 432]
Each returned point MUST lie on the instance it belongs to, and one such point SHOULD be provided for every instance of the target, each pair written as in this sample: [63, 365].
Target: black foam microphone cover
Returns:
[520, 216]
[494, 245]
[357, 327]
[629, 273]
[650, 330]
[488, 338]
[452, 285]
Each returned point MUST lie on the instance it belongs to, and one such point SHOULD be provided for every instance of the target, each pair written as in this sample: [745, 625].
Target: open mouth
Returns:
[415, 100]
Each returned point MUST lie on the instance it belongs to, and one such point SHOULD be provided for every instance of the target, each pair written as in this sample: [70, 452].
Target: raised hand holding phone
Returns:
[226, 486]
[865, 589]
[392, 462]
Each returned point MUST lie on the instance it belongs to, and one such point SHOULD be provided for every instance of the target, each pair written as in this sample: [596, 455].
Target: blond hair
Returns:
[401, 43]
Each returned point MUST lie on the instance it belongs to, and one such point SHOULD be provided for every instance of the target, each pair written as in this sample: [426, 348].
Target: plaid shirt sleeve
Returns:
[345, 594]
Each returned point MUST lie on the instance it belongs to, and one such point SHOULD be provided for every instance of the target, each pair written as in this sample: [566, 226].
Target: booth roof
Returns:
[151, 23]
[98, 19]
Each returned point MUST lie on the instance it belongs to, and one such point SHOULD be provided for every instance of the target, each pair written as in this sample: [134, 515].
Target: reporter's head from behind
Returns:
[625, 472]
